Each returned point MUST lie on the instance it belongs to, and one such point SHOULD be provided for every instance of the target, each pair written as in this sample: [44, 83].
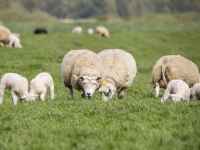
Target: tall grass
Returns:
[139, 121]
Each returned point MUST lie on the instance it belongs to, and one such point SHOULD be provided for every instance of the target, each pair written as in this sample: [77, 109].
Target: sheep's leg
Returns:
[157, 88]
[14, 97]
[83, 94]
[70, 88]
[121, 93]
[195, 97]
[165, 96]
[42, 96]
[11, 43]
[2, 90]
[52, 91]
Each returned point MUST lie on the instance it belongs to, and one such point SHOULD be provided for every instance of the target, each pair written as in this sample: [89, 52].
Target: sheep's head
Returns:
[176, 97]
[89, 84]
[26, 97]
[107, 91]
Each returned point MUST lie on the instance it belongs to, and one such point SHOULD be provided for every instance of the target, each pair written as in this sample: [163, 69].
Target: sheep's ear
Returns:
[23, 96]
[171, 95]
[82, 78]
[98, 78]
[182, 98]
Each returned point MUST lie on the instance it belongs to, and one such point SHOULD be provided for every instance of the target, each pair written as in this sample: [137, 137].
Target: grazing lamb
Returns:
[90, 31]
[40, 31]
[103, 31]
[39, 86]
[172, 67]
[4, 34]
[178, 90]
[82, 70]
[119, 72]
[77, 30]
[18, 86]
[195, 92]
[14, 41]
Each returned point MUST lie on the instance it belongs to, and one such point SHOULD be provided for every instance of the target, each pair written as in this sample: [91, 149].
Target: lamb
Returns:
[4, 34]
[14, 40]
[18, 86]
[90, 31]
[77, 30]
[119, 72]
[178, 90]
[82, 70]
[195, 92]
[39, 86]
[172, 67]
[103, 31]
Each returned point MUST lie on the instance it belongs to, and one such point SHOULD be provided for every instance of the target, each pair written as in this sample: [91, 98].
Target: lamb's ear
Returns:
[182, 98]
[171, 95]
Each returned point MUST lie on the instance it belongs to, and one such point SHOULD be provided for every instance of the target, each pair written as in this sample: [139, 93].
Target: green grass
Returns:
[140, 121]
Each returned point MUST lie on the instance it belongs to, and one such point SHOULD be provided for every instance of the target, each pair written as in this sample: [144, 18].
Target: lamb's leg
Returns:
[42, 96]
[52, 91]
[157, 88]
[165, 96]
[195, 97]
[2, 90]
[121, 93]
[11, 43]
[70, 88]
[14, 97]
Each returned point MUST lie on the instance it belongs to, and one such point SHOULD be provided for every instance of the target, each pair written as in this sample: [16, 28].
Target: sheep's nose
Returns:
[88, 94]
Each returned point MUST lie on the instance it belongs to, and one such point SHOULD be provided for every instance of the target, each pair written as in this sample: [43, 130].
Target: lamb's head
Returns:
[89, 84]
[107, 91]
[26, 97]
[176, 98]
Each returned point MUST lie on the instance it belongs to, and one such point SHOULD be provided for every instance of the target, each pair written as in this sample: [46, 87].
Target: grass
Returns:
[140, 121]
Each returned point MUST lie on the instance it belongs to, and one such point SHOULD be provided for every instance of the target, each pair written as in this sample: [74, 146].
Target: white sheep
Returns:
[119, 72]
[77, 30]
[178, 90]
[82, 70]
[90, 31]
[195, 92]
[103, 31]
[18, 86]
[4, 34]
[39, 86]
[172, 67]
[14, 40]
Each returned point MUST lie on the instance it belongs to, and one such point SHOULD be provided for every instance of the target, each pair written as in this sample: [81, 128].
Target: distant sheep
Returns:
[195, 92]
[103, 31]
[40, 31]
[82, 70]
[39, 86]
[4, 34]
[90, 31]
[178, 90]
[18, 86]
[172, 67]
[77, 30]
[14, 41]
[119, 72]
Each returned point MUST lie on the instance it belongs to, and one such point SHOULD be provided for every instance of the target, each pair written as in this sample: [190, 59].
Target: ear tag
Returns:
[104, 82]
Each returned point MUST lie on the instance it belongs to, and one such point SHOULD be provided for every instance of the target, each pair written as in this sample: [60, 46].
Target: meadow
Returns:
[139, 121]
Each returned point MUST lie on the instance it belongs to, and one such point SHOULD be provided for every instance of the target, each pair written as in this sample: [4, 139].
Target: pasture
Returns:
[139, 121]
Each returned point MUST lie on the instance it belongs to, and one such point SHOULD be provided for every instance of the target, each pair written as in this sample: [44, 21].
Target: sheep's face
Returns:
[107, 91]
[89, 84]
[176, 98]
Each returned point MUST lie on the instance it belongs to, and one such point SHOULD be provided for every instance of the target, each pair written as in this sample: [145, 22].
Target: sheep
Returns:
[119, 72]
[77, 30]
[39, 86]
[14, 40]
[195, 92]
[90, 31]
[103, 31]
[40, 31]
[4, 34]
[178, 90]
[83, 71]
[18, 86]
[172, 67]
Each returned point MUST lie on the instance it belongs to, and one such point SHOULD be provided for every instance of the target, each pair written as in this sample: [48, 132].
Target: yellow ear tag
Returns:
[104, 82]
[98, 87]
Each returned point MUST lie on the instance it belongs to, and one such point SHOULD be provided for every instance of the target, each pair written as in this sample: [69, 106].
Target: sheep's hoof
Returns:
[120, 96]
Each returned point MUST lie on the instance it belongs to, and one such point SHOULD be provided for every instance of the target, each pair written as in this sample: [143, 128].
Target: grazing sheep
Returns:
[4, 34]
[39, 86]
[90, 31]
[119, 72]
[103, 31]
[14, 41]
[82, 70]
[172, 67]
[77, 30]
[178, 90]
[40, 31]
[18, 86]
[195, 92]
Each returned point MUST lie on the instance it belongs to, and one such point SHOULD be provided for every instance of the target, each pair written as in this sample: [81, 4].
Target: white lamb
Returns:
[18, 86]
[119, 72]
[82, 70]
[39, 86]
[14, 41]
[178, 90]
[90, 31]
[77, 30]
[195, 92]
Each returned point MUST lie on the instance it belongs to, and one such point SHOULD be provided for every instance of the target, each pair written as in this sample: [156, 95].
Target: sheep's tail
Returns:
[163, 68]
